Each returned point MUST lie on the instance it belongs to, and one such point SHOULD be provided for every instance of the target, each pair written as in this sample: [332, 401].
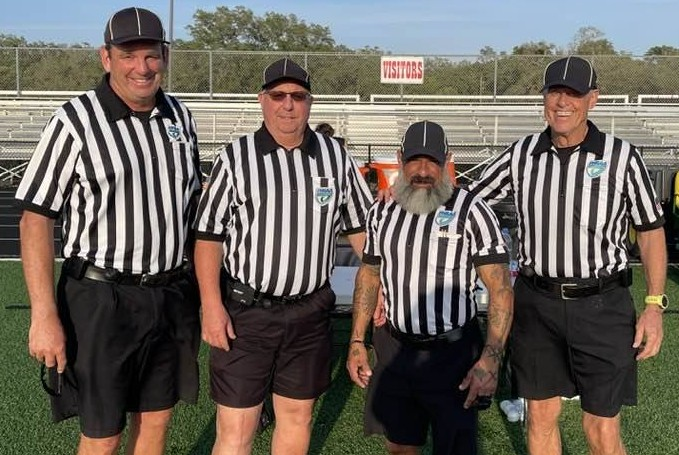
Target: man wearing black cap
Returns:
[577, 191]
[275, 203]
[426, 248]
[119, 164]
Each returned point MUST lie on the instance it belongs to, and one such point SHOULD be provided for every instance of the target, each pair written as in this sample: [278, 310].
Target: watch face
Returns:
[665, 301]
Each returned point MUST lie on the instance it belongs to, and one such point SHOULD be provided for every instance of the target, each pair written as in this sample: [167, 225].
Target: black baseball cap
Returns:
[425, 138]
[286, 70]
[133, 24]
[573, 72]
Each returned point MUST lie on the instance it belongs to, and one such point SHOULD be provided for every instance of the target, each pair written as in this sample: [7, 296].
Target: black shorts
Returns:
[286, 349]
[129, 349]
[411, 389]
[575, 347]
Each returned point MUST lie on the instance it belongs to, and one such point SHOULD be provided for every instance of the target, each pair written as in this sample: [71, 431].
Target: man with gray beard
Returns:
[426, 247]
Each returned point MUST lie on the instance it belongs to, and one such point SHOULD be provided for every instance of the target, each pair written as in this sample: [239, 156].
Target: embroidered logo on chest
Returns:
[324, 195]
[444, 217]
[595, 168]
[174, 132]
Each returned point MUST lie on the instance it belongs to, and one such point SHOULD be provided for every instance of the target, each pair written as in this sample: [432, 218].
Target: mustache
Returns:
[422, 180]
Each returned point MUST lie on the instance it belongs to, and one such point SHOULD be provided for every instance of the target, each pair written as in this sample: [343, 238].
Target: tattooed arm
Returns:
[365, 300]
[482, 379]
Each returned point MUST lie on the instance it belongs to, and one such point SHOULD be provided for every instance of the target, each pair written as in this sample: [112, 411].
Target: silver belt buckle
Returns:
[144, 278]
[563, 287]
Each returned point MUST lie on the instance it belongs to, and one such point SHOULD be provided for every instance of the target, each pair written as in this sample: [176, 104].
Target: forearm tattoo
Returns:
[366, 289]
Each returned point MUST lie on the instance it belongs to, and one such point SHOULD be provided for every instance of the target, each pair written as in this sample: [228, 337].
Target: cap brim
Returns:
[415, 152]
[282, 80]
[583, 90]
[131, 39]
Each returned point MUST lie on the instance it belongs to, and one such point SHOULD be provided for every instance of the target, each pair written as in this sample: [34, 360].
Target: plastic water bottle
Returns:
[513, 263]
[511, 410]
[482, 296]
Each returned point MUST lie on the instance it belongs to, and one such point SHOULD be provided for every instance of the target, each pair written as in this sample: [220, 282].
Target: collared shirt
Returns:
[279, 211]
[427, 262]
[124, 185]
[574, 209]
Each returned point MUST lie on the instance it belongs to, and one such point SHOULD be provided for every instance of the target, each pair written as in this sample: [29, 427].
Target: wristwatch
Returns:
[660, 300]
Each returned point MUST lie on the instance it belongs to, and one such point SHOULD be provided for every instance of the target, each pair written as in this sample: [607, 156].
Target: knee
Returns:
[399, 449]
[603, 434]
[153, 420]
[107, 445]
[543, 415]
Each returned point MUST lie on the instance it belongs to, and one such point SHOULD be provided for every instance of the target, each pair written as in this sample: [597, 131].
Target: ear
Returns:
[593, 98]
[105, 56]
[399, 157]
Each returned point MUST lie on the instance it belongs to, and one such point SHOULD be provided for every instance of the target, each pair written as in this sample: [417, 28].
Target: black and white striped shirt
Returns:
[279, 212]
[574, 209]
[427, 262]
[125, 186]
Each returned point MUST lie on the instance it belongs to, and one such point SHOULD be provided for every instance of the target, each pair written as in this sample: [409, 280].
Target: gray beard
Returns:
[422, 200]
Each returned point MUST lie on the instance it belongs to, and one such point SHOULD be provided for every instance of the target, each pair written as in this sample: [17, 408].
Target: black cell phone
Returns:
[482, 402]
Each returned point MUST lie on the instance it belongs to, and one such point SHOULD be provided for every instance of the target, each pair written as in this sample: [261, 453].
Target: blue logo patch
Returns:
[324, 195]
[174, 132]
[444, 217]
[595, 168]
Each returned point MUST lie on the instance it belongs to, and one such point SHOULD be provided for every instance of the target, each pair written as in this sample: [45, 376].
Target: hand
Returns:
[649, 327]
[216, 326]
[481, 380]
[358, 365]
[47, 342]
[380, 314]
[385, 194]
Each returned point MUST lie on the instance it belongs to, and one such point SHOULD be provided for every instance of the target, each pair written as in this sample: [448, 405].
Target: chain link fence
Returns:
[211, 73]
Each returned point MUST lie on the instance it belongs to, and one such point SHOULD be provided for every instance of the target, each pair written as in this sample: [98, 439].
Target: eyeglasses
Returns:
[278, 96]
[55, 390]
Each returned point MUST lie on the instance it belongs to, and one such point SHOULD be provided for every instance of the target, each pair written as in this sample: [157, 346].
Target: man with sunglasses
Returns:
[269, 219]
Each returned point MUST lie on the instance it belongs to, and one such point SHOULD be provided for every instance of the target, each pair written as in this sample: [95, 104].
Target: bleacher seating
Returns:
[471, 127]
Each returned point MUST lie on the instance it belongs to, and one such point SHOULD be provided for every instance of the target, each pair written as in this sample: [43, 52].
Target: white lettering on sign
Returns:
[402, 70]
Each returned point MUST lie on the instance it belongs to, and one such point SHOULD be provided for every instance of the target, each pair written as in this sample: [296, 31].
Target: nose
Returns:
[142, 66]
[288, 102]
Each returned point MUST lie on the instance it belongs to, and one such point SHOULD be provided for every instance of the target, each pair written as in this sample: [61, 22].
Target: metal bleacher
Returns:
[472, 127]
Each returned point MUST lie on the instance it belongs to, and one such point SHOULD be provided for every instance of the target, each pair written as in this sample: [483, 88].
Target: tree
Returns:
[240, 29]
[12, 41]
[591, 41]
[534, 48]
[487, 54]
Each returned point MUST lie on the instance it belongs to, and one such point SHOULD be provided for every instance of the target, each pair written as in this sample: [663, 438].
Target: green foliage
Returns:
[240, 29]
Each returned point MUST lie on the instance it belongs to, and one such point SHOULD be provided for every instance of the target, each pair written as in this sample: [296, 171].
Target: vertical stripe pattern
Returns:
[574, 210]
[123, 187]
[279, 212]
[427, 261]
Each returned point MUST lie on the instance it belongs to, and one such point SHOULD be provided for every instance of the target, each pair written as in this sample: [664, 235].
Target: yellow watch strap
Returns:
[660, 300]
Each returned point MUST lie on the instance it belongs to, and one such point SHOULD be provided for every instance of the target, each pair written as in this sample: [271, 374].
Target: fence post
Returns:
[18, 78]
[209, 60]
[495, 81]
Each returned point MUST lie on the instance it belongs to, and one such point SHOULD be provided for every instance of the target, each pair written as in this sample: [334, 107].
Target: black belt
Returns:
[79, 268]
[570, 289]
[245, 295]
[426, 341]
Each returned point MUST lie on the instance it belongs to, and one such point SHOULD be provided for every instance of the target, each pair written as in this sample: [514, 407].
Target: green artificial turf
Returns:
[25, 426]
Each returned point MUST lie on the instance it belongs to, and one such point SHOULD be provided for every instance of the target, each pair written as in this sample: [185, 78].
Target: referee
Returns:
[119, 165]
[426, 248]
[276, 201]
[577, 191]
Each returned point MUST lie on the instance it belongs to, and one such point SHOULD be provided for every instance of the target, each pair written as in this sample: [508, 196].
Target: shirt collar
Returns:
[116, 109]
[265, 143]
[593, 143]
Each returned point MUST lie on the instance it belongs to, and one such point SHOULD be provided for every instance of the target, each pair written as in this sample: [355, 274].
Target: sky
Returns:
[405, 27]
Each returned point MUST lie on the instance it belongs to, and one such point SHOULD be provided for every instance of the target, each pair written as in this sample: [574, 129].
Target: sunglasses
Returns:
[278, 96]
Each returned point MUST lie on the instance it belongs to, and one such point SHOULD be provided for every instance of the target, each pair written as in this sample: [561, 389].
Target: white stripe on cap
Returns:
[565, 70]
[136, 11]
[424, 134]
